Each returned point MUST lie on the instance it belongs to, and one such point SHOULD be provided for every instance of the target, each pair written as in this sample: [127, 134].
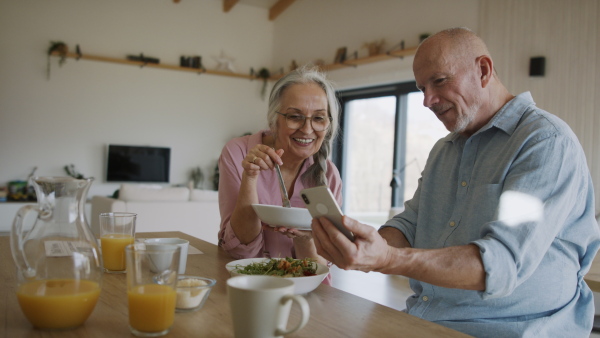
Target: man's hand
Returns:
[368, 252]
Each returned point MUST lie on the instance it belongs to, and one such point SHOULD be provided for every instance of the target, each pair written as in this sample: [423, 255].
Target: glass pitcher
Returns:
[59, 265]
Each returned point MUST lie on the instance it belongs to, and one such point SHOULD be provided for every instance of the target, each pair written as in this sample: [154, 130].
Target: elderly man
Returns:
[501, 229]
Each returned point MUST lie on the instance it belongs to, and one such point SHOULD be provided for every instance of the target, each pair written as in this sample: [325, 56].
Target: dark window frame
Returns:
[400, 91]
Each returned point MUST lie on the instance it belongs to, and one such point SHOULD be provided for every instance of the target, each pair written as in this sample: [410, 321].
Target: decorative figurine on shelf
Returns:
[423, 37]
[398, 46]
[78, 51]
[62, 49]
[293, 66]
[340, 55]
[225, 62]
[143, 58]
[375, 47]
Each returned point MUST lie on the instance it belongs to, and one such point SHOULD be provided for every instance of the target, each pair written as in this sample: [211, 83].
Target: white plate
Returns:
[302, 285]
[273, 215]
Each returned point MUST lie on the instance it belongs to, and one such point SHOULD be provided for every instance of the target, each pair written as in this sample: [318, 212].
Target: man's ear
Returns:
[486, 69]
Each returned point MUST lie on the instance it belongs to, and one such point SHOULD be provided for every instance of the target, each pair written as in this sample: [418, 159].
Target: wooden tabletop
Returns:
[333, 313]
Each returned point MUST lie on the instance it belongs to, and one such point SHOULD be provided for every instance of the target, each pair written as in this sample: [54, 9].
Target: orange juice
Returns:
[151, 307]
[58, 303]
[113, 250]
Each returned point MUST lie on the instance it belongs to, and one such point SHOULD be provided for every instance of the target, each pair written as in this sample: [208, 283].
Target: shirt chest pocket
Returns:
[480, 207]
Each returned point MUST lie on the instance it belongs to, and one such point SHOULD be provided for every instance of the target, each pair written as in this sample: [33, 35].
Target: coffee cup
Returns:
[182, 243]
[260, 306]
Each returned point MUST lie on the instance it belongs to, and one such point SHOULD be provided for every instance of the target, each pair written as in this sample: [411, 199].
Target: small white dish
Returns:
[302, 285]
[192, 292]
[273, 215]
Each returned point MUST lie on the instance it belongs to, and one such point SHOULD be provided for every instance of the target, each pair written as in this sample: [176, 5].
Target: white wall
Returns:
[567, 33]
[86, 104]
[312, 29]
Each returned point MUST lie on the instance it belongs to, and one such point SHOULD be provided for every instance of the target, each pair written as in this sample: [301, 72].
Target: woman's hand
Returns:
[292, 233]
[261, 157]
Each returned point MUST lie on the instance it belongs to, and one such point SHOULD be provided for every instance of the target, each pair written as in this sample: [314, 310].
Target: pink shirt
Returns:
[230, 177]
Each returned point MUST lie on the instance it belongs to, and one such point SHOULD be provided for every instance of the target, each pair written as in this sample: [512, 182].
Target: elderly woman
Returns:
[303, 119]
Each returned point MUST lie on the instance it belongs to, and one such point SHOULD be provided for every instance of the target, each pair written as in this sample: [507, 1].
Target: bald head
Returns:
[454, 46]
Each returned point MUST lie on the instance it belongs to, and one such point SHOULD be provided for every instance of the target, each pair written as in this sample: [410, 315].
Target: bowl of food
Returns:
[274, 215]
[305, 273]
[192, 292]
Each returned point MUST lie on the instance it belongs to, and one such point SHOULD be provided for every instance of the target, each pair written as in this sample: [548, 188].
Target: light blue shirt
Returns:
[536, 245]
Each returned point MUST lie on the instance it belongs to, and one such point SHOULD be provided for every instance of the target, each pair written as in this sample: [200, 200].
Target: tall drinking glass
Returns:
[117, 230]
[151, 288]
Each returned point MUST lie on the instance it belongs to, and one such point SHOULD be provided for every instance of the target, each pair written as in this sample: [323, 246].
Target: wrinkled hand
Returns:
[368, 252]
[261, 157]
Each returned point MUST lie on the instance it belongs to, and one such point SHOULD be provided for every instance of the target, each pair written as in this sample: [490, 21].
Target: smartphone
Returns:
[320, 202]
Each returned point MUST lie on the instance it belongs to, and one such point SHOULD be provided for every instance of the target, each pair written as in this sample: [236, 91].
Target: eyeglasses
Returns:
[297, 121]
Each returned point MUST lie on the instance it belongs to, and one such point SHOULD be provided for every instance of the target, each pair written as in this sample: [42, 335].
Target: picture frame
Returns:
[340, 55]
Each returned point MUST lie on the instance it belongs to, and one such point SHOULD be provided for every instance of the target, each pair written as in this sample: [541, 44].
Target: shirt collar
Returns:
[506, 119]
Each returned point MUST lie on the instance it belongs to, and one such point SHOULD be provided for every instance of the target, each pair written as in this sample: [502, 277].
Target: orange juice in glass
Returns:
[58, 303]
[151, 281]
[113, 251]
[151, 307]
[117, 230]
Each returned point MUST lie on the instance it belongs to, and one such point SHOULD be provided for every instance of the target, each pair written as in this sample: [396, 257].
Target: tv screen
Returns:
[138, 164]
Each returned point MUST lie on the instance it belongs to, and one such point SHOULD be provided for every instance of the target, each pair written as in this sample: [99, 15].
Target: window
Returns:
[385, 137]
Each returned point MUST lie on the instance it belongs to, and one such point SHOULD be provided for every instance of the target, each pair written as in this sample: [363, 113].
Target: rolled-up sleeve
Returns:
[544, 186]
[230, 177]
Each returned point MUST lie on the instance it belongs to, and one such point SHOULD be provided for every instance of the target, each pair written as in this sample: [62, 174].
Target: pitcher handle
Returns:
[304, 318]
[16, 241]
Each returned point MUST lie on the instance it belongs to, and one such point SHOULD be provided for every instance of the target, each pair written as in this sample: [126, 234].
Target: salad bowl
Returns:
[302, 284]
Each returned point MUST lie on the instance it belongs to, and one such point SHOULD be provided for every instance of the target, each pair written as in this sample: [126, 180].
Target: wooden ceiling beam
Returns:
[228, 5]
[278, 8]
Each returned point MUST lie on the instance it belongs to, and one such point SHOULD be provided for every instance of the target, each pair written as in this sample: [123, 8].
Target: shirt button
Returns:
[452, 224]
[463, 183]
[425, 298]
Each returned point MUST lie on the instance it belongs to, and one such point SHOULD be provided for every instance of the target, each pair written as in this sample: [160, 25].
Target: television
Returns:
[138, 164]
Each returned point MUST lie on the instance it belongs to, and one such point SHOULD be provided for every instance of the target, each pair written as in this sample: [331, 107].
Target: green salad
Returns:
[283, 267]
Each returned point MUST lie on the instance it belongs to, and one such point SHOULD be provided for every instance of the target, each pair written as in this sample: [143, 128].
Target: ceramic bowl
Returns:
[192, 292]
[302, 285]
[274, 215]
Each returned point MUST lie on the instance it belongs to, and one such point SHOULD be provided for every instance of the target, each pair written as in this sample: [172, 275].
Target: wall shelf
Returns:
[401, 53]
[396, 54]
[154, 65]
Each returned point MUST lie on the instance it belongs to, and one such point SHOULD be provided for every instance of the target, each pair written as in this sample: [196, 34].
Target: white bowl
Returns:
[192, 292]
[302, 285]
[274, 215]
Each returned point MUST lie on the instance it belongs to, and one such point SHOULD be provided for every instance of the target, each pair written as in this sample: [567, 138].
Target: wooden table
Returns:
[333, 313]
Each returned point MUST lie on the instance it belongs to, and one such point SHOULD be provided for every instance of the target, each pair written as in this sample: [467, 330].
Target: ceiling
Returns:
[275, 7]
[259, 3]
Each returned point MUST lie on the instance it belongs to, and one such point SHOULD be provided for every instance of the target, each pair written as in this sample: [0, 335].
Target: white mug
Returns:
[182, 243]
[260, 306]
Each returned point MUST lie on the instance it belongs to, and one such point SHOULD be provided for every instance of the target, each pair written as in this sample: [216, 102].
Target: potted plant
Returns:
[62, 49]
[264, 74]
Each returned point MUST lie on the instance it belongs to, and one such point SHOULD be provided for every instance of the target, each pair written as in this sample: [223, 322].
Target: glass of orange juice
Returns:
[151, 288]
[117, 230]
